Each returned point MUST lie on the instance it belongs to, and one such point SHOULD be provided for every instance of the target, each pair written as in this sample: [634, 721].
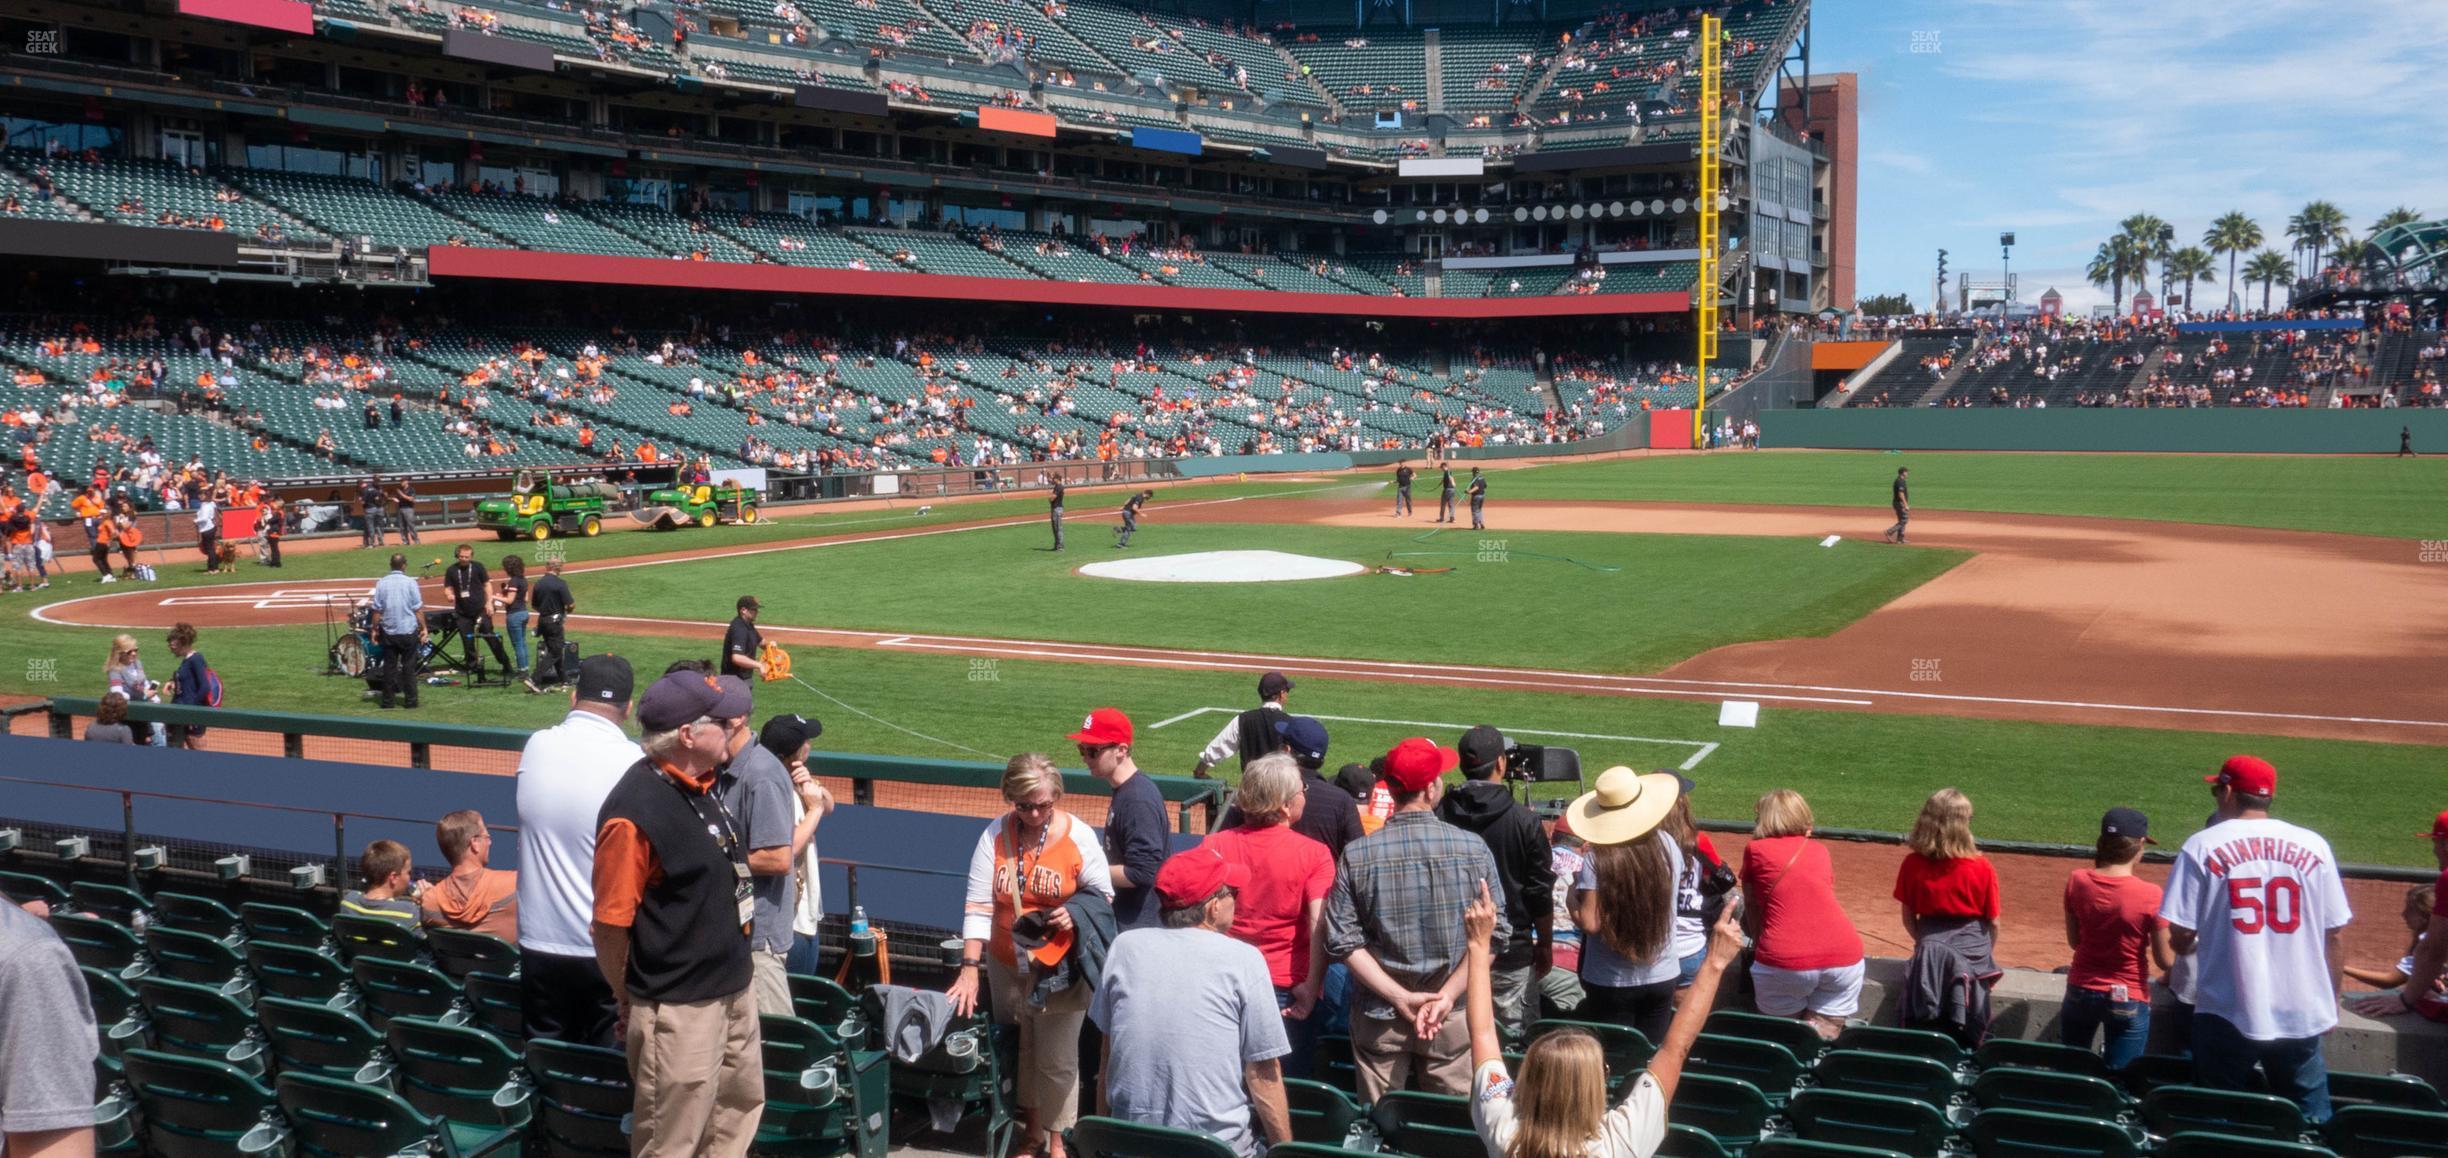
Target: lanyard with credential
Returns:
[724, 831]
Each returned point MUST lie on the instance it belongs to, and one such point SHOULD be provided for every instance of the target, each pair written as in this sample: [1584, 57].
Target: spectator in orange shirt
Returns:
[474, 896]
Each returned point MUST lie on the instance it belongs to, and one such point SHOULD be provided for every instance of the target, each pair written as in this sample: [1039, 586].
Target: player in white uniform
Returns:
[2260, 904]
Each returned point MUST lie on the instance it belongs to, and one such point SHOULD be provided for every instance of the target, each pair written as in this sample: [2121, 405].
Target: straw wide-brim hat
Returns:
[1625, 806]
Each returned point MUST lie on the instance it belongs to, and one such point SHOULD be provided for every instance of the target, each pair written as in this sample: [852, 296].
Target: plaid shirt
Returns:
[1400, 895]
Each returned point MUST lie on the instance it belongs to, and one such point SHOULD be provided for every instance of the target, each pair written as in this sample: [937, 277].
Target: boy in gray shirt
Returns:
[47, 1040]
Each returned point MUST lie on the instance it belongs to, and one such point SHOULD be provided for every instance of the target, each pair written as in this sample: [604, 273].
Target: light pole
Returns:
[2167, 245]
[2006, 265]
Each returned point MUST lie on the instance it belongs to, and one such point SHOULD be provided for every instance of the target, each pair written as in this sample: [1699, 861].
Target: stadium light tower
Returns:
[2006, 263]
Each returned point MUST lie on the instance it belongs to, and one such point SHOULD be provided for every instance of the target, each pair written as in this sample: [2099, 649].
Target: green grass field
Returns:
[1862, 770]
[2401, 498]
[1588, 602]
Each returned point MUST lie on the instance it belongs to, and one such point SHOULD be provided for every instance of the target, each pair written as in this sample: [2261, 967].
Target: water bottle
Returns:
[858, 920]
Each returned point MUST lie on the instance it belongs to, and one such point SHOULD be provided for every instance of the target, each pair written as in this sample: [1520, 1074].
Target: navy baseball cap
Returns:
[683, 696]
[1307, 738]
[602, 679]
[2126, 822]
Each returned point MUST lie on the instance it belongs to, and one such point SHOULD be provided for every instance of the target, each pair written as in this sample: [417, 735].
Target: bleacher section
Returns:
[1383, 69]
[140, 192]
[1485, 69]
[1258, 59]
[350, 208]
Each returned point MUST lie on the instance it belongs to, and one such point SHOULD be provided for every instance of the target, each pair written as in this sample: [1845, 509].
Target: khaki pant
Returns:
[1387, 1053]
[771, 984]
[699, 1069]
[1049, 1077]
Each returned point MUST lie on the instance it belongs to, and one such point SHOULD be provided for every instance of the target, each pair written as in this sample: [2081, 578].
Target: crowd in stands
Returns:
[1409, 904]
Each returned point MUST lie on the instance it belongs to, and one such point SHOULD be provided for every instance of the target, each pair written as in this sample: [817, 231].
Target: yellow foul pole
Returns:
[1712, 121]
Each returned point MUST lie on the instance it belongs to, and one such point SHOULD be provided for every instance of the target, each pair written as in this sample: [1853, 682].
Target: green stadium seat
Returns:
[298, 974]
[1805, 1148]
[27, 888]
[306, 1037]
[1895, 1075]
[582, 1099]
[1765, 1064]
[195, 1108]
[1335, 1064]
[820, 1099]
[460, 952]
[117, 1013]
[1114, 1138]
[2172, 1110]
[1306, 1150]
[2207, 1144]
[1426, 1125]
[1730, 1110]
[101, 945]
[2372, 1130]
[109, 902]
[2055, 1093]
[1793, 1034]
[495, 1005]
[282, 926]
[197, 914]
[1922, 1043]
[2404, 1091]
[826, 1003]
[329, 1118]
[201, 1021]
[374, 937]
[2040, 1055]
[1905, 1125]
[183, 956]
[2153, 1070]
[1690, 1142]
[464, 1076]
[2005, 1133]
[1320, 1112]
[1627, 1050]
[405, 989]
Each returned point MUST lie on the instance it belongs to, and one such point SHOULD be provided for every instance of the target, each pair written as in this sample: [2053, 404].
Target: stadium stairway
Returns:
[1316, 87]
[1433, 46]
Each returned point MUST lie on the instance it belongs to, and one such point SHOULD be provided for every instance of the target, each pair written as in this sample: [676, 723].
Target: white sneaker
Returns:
[110, 579]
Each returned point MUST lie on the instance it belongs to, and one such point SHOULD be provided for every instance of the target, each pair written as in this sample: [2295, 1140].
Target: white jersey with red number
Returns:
[2262, 895]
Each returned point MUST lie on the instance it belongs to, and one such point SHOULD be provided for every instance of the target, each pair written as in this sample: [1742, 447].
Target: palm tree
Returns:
[2401, 215]
[2317, 227]
[2151, 236]
[2269, 267]
[2119, 259]
[2232, 234]
[2186, 266]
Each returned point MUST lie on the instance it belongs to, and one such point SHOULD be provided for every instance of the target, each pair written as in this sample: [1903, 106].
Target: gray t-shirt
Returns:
[1183, 1010]
[47, 1036]
[757, 790]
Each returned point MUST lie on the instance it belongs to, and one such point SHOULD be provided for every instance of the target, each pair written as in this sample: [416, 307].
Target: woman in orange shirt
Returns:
[1027, 865]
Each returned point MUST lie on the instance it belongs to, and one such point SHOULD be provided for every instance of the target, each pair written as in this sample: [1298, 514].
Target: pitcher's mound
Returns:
[1223, 567]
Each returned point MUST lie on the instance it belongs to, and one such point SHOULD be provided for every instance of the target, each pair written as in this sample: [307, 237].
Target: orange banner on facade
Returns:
[1015, 121]
[1844, 355]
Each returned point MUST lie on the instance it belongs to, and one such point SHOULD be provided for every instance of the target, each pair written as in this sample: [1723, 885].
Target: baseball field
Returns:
[2066, 632]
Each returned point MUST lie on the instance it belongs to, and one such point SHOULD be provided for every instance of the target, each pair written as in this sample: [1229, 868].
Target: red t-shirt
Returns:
[2116, 916]
[1793, 880]
[1287, 871]
[1962, 886]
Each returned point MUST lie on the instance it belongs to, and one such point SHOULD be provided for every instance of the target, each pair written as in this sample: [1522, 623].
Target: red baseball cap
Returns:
[1189, 878]
[1104, 726]
[2439, 826]
[2250, 775]
[1416, 763]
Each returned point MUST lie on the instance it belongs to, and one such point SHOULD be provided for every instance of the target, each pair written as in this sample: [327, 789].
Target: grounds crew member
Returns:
[673, 911]
[1402, 490]
[1445, 497]
[1054, 512]
[743, 644]
[1252, 733]
[1130, 516]
[1478, 499]
[1903, 506]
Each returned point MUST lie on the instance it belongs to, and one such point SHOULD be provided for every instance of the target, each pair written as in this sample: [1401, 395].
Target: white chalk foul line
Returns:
[1703, 747]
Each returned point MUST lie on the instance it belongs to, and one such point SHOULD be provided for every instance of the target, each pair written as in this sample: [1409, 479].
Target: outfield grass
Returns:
[2367, 495]
[2042, 782]
[1588, 602]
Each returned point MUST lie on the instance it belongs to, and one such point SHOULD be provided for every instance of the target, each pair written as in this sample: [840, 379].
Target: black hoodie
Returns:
[1524, 861]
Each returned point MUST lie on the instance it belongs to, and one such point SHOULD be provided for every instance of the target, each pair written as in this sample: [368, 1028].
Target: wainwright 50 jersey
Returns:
[2262, 896]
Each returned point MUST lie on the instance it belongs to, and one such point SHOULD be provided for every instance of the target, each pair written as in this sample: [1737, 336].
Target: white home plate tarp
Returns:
[1223, 567]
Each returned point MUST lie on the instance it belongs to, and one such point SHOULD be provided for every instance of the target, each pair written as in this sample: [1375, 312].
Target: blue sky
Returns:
[2057, 119]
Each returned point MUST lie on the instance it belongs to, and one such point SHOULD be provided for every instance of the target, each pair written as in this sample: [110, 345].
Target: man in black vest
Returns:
[1402, 490]
[370, 506]
[1054, 512]
[1445, 497]
[673, 909]
[1252, 733]
[469, 586]
[1478, 499]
